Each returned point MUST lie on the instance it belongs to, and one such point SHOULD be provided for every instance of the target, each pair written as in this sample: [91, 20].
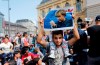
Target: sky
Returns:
[20, 9]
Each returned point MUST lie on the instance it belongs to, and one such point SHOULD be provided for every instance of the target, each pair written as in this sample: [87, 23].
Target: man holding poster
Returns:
[57, 49]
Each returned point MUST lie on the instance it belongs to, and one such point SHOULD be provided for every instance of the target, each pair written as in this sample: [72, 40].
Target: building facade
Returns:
[1, 23]
[14, 28]
[79, 7]
[31, 28]
[93, 8]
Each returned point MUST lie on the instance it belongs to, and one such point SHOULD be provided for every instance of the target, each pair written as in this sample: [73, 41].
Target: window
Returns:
[49, 9]
[57, 6]
[7, 27]
[43, 14]
[78, 5]
[67, 4]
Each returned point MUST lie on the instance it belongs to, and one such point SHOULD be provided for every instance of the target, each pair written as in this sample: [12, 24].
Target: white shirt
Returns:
[16, 40]
[30, 40]
[6, 47]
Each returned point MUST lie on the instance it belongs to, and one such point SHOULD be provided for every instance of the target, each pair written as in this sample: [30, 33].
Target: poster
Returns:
[51, 21]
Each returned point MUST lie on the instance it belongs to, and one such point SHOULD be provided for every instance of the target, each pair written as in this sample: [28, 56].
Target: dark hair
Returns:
[24, 34]
[18, 33]
[97, 18]
[6, 38]
[35, 61]
[57, 32]
[83, 24]
[6, 35]
[63, 12]
[25, 60]
[24, 49]
[32, 62]
[16, 52]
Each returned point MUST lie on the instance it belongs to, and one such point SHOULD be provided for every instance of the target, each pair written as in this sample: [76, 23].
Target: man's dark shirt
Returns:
[81, 43]
[66, 23]
[94, 45]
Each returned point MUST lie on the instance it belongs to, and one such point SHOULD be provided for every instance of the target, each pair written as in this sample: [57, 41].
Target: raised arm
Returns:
[40, 35]
[76, 36]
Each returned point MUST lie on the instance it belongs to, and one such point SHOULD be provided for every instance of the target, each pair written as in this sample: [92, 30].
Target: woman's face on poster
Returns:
[61, 17]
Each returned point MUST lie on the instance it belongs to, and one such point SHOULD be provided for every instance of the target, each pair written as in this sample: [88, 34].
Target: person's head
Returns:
[25, 34]
[25, 50]
[18, 34]
[57, 37]
[6, 36]
[97, 19]
[37, 61]
[60, 14]
[84, 25]
[6, 39]
[31, 35]
[17, 54]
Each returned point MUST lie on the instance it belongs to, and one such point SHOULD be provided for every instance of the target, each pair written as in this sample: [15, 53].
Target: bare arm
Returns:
[39, 62]
[76, 36]
[40, 35]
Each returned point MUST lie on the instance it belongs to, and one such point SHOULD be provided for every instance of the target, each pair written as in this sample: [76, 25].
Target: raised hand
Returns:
[52, 23]
[41, 21]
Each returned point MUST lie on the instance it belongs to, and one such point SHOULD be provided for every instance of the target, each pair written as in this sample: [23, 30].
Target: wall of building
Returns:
[1, 22]
[14, 28]
[92, 2]
[93, 10]
[31, 29]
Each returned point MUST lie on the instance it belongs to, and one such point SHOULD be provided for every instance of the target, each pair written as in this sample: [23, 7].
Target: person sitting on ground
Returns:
[16, 59]
[37, 51]
[6, 49]
[28, 57]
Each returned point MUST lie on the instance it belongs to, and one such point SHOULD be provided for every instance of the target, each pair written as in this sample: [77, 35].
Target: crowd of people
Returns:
[77, 46]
